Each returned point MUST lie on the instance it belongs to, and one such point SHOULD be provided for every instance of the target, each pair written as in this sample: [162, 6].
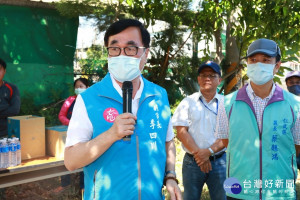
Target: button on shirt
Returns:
[200, 118]
[259, 106]
[81, 129]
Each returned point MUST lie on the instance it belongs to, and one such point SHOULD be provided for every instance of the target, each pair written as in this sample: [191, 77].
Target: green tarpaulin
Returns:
[38, 46]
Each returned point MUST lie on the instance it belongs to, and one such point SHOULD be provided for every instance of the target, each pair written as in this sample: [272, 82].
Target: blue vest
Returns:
[267, 157]
[128, 170]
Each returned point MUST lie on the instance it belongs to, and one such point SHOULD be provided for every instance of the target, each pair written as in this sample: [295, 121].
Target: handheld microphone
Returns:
[127, 101]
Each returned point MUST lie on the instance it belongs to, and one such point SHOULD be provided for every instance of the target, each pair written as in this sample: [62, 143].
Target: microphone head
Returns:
[127, 85]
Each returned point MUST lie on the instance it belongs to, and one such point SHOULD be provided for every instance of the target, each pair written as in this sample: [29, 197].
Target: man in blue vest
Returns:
[260, 125]
[9, 100]
[115, 168]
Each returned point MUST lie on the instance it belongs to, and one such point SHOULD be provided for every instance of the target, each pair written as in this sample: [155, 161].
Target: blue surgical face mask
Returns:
[260, 73]
[124, 68]
[295, 89]
[79, 90]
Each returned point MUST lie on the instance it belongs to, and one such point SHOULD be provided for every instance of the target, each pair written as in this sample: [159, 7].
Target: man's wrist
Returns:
[170, 178]
[170, 175]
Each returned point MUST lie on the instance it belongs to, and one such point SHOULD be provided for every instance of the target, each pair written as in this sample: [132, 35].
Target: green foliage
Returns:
[169, 65]
[246, 21]
[95, 63]
[167, 44]
[49, 111]
[175, 105]
[276, 19]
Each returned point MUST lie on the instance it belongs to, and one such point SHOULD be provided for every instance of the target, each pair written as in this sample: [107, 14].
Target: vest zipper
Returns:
[293, 169]
[228, 165]
[260, 151]
[138, 155]
[139, 168]
[260, 164]
[95, 184]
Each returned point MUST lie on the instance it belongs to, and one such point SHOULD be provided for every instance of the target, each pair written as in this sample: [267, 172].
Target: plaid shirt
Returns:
[259, 106]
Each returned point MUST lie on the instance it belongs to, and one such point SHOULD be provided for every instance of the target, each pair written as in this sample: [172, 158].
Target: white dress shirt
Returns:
[200, 117]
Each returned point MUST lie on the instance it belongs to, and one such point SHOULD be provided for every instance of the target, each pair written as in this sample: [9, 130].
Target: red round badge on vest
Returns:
[110, 114]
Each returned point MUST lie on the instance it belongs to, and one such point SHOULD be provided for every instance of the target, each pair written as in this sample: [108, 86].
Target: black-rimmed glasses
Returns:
[129, 51]
[210, 76]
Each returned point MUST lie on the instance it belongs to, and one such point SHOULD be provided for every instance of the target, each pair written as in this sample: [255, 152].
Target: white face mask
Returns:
[124, 68]
[260, 73]
[79, 90]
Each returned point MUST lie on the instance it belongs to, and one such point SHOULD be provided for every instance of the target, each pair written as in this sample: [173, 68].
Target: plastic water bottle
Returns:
[8, 141]
[14, 158]
[2, 146]
[18, 151]
[11, 148]
[5, 154]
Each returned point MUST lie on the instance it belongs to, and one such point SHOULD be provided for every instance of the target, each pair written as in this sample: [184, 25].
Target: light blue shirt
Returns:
[200, 117]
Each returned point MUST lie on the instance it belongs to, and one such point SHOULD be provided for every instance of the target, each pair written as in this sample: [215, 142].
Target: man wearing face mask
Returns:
[115, 168]
[260, 125]
[292, 81]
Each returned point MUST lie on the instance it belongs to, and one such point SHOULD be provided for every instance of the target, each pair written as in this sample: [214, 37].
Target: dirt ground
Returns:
[44, 189]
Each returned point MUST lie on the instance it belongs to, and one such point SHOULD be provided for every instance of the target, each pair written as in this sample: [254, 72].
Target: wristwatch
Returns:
[211, 151]
[170, 172]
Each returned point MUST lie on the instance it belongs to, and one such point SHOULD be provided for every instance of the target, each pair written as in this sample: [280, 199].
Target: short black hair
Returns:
[83, 80]
[123, 24]
[278, 58]
[2, 63]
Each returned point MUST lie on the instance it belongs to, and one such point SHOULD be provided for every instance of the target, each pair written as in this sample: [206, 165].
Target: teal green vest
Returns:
[128, 170]
[269, 156]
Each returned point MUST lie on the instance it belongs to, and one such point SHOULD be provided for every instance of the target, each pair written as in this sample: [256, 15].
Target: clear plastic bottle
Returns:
[12, 152]
[5, 154]
[14, 158]
[18, 151]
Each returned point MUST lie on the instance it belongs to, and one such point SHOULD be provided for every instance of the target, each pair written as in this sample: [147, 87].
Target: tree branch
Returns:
[181, 45]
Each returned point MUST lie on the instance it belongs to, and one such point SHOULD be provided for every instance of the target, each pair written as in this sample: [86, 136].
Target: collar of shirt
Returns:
[216, 97]
[252, 95]
[212, 106]
[119, 89]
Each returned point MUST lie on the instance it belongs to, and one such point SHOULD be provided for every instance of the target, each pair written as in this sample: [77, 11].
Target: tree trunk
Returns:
[217, 33]
[232, 60]
[164, 68]
[219, 54]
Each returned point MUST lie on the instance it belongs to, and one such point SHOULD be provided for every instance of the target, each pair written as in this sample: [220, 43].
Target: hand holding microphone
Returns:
[123, 126]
